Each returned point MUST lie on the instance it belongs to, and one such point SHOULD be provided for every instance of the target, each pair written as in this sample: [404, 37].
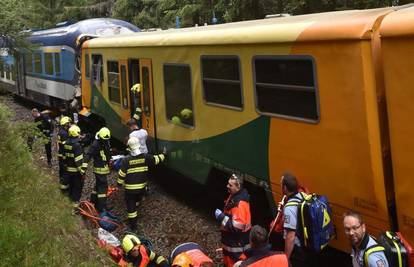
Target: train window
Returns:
[113, 82]
[87, 67]
[124, 90]
[57, 64]
[286, 87]
[221, 81]
[178, 97]
[7, 72]
[49, 63]
[38, 63]
[1, 69]
[28, 61]
[146, 90]
[97, 68]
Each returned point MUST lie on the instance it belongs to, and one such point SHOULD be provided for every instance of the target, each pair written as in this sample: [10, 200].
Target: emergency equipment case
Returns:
[398, 252]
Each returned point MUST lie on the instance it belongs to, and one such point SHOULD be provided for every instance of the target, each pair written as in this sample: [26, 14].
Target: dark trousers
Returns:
[303, 258]
[99, 195]
[48, 149]
[75, 186]
[63, 176]
[132, 197]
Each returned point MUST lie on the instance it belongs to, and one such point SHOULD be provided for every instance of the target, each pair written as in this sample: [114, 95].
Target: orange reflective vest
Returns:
[266, 258]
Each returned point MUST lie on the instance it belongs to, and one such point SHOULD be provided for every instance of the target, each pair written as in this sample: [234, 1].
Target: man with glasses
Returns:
[365, 251]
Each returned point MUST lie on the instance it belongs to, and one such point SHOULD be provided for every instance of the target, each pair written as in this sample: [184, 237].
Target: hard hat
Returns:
[129, 242]
[104, 133]
[182, 260]
[176, 120]
[64, 120]
[74, 131]
[136, 88]
[186, 113]
[133, 144]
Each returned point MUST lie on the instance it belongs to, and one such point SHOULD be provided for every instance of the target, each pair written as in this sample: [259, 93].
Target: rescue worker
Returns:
[260, 253]
[62, 136]
[136, 91]
[45, 125]
[235, 221]
[100, 151]
[186, 115]
[133, 176]
[75, 165]
[139, 255]
[190, 254]
[139, 133]
[362, 255]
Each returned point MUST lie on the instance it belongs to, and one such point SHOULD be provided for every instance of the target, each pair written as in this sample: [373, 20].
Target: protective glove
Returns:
[218, 214]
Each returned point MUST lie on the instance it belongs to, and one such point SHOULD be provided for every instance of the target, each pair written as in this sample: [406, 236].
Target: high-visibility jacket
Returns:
[137, 114]
[62, 136]
[73, 156]
[236, 225]
[193, 251]
[133, 171]
[100, 151]
[264, 257]
[145, 257]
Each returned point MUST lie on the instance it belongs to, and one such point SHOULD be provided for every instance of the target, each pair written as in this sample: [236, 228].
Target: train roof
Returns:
[339, 25]
[67, 35]
[399, 23]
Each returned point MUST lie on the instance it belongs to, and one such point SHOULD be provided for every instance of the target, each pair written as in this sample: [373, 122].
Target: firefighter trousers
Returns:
[98, 196]
[132, 197]
[75, 186]
[63, 177]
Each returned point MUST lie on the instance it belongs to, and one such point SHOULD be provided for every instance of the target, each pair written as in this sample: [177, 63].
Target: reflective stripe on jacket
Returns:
[100, 152]
[73, 153]
[264, 257]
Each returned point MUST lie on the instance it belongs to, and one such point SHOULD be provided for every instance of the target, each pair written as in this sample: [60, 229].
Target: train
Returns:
[49, 72]
[324, 96]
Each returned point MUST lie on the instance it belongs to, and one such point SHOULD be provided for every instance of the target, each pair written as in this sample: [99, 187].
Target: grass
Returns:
[36, 225]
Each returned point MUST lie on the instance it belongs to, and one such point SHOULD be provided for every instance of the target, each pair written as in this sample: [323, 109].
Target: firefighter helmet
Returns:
[133, 144]
[64, 120]
[186, 113]
[129, 242]
[136, 88]
[176, 120]
[182, 260]
[104, 133]
[74, 131]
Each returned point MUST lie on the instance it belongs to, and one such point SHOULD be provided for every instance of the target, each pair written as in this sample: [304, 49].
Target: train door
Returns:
[147, 100]
[124, 83]
[20, 79]
[134, 79]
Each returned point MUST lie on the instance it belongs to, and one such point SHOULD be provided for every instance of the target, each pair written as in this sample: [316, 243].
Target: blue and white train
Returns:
[49, 75]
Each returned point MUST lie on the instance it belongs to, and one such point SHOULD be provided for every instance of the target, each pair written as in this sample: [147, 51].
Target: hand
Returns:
[218, 213]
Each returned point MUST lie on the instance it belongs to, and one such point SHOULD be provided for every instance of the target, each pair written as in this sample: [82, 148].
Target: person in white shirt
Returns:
[141, 134]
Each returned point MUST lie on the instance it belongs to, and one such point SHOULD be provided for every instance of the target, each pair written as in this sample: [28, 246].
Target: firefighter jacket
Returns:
[137, 114]
[73, 155]
[62, 136]
[263, 257]
[134, 169]
[44, 124]
[145, 257]
[193, 251]
[235, 224]
[100, 151]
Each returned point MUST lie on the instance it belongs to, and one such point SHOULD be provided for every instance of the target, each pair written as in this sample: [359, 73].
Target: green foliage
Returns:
[36, 225]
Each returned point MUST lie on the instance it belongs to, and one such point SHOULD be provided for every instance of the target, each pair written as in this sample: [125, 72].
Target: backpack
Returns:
[315, 228]
[397, 251]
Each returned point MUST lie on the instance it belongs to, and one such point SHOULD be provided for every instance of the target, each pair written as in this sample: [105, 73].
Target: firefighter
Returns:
[100, 151]
[133, 176]
[260, 253]
[190, 254]
[235, 221]
[62, 136]
[75, 165]
[136, 91]
[45, 125]
[140, 255]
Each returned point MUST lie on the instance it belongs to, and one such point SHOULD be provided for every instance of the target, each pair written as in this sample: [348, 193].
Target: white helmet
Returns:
[133, 144]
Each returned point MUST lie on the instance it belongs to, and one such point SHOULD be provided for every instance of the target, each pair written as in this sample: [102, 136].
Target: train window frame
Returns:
[35, 66]
[26, 61]
[184, 125]
[93, 77]
[241, 108]
[123, 85]
[2, 71]
[146, 91]
[108, 86]
[289, 87]
[87, 66]
[57, 64]
[51, 61]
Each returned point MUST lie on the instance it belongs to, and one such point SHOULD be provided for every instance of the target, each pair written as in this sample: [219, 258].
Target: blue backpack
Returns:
[315, 227]
[107, 222]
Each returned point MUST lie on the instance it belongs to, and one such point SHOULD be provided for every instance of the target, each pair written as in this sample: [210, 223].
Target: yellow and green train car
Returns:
[397, 38]
[302, 94]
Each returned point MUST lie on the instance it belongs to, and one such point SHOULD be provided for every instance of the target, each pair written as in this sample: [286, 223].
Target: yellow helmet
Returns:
[104, 133]
[136, 88]
[182, 260]
[129, 242]
[74, 131]
[176, 120]
[186, 113]
[64, 120]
